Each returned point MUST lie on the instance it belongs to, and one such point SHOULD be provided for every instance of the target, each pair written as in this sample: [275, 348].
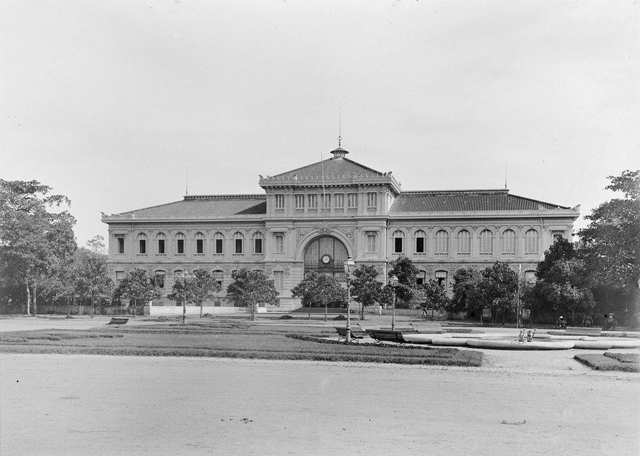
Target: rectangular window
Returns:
[299, 201]
[120, 244]
[278, 277]
[352, 200]
[557, 235]
[143, 246]
[313, 201]
[239, 246]
[279, 201]
[372, 199]
[218, 246]
[339, 201]
[257, 246]
[397, 245]
[420, 277]
[420, 245]
[199, 245]
[279, 247]
[326, 201]
[180, 246]
[441, 278]
[371, 242]
[119, 275]
[161, 246]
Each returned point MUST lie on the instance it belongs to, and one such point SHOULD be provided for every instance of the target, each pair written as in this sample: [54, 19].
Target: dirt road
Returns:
[100, 405]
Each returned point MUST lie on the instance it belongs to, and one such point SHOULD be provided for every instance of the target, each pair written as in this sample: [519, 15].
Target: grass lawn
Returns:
[228, 339]
[608, 361]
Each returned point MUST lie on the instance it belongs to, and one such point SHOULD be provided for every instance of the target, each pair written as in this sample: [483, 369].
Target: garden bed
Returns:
[226, 341]
[626, 362]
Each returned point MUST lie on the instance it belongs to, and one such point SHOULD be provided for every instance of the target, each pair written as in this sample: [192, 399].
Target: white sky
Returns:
[111, 102]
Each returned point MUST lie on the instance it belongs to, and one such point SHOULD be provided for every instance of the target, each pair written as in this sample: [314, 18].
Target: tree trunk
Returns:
[28, 297]
[253, 312]
[93, 305]
[35, 302]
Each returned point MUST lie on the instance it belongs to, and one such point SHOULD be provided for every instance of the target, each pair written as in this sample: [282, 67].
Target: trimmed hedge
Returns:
[625, 362]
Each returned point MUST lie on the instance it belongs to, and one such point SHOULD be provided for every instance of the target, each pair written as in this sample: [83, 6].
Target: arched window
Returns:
[398, 241]
[531, 243]
[142, 244]
[180, 243]
[420, 237]
[238, 243]
[258, 243]
[464, 243]
[159, 278]
[218, 276]
[161, 243]
[442, 243]
[441, 278]
[199, 243]
[530, 276]
[509, 243]
[486, 243]
[218, 243]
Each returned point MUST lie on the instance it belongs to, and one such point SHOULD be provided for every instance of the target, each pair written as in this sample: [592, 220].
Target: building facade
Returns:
[314, 217]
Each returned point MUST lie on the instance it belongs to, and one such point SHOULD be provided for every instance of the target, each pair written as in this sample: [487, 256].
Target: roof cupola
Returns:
[339, 152]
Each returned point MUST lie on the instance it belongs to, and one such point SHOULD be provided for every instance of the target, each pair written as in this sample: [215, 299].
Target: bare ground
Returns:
[534, 403]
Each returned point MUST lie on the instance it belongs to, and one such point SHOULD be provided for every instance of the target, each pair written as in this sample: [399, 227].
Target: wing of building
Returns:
[313, 218]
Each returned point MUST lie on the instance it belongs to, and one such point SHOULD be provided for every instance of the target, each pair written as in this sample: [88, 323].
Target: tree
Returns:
[92, 281]
[34, 239]
[499, 286]
[434, 296]
[137, 286]
[562, 282]
[610, 245]
[319, 289]
[201, 287]
[365, 288]
[467, 292]
[249, 288]
[404, 269]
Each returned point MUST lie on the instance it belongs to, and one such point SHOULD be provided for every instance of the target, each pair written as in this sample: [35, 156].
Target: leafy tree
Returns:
[199, 288]
[137, 286]
[467, 292]
[365, 288]
[404, 269]
[434, 296]
[96, 245]
[319, 289]
[92, 281]
[249, 288]
[562, 282]
[499, 286]
[610, 245]
[493, 287]
[34, 240]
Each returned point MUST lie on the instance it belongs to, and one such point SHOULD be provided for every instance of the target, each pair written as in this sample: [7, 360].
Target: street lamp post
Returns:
[393, 283]
[349, 267]
[184, 278]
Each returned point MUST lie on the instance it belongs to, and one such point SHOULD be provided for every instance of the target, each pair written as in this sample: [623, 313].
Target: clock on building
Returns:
[326, 259]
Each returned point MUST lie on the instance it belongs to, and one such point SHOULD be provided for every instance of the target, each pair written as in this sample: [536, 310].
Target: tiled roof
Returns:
[466, 201]
[202, 207]
[332, 168]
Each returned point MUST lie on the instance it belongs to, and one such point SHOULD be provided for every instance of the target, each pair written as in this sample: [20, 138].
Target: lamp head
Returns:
[349, 266]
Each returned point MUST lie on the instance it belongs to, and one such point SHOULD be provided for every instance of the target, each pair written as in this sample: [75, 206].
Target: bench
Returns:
[118, 321]
[577, 331]
[356, 334]
[386, 335]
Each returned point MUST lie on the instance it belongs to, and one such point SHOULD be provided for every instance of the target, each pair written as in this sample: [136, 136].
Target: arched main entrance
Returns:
[326, 254]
